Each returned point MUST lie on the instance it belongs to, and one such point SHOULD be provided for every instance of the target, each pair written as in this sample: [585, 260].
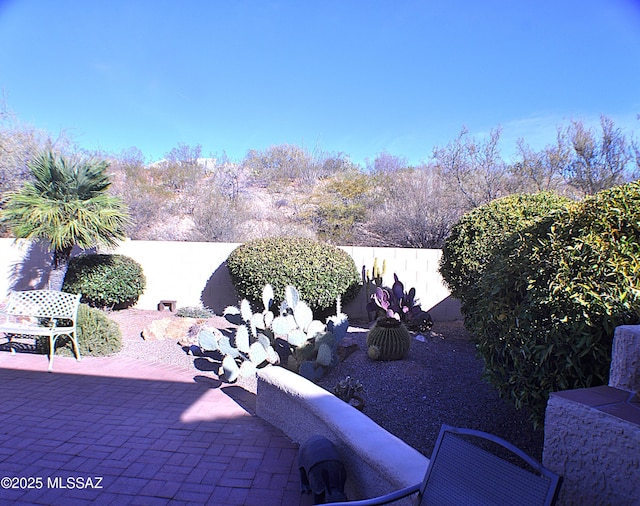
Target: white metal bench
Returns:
[41, 313]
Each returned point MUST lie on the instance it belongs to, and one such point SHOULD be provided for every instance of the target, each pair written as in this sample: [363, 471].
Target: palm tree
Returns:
[66, 205]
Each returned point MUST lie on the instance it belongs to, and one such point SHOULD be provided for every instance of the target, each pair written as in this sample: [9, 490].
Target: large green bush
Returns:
[319, 271]
[474, 238]
[105, 281]
[552, 296]
[98, 335]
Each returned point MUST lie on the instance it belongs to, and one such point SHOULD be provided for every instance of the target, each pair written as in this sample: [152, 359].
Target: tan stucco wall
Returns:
[194, 273]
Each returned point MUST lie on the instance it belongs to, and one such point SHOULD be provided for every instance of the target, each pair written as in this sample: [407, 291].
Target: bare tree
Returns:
[598, 161]
[20, 143]
[476, 169]
[180, 170]
[217, 216]
[277, 164]
[226, 175]
[417, 210]
[542, 170]
[183, 154]
[286, 163]
[386, 163]
[135, 184]
[635, 172]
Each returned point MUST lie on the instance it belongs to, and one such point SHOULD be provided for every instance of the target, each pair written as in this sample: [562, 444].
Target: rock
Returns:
[190, 339]
[343, 352]
[177, 329]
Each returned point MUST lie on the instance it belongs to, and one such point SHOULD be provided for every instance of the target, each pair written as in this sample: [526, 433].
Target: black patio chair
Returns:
[470, 468]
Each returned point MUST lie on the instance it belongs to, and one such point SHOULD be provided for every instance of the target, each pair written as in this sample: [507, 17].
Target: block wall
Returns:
[193, 273]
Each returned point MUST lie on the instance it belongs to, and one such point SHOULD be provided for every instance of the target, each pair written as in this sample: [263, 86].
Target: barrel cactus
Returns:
[388, 339]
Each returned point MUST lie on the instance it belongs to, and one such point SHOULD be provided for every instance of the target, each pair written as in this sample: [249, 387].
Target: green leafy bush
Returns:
[473, 239]
[98, 335]
[105, 281]
[319, 271]
[552, 296]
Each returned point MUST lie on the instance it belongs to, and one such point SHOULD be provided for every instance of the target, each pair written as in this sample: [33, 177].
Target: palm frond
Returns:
[66, 204]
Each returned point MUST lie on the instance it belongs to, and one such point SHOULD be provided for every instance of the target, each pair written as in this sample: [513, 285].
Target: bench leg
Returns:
[52, 349]
[52, 344]
[76, 347]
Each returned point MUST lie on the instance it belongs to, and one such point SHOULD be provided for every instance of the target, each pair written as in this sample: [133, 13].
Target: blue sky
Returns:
[353, 76]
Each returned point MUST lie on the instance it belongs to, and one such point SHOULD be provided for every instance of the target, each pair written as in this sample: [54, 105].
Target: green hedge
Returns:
[319, 271]
[473, 239]
[551, 296]
[105, 281]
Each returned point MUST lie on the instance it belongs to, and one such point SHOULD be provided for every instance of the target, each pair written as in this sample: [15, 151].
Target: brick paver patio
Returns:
[120, 431]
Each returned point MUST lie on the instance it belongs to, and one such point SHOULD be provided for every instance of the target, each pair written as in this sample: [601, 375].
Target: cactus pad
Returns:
[297, 337]
[245, 310]
[291, 296]
[257, 354]
[226, 349]
[267, 297]
[324, 355]
[207, 340]
[242, 339]
[229, 369]
[303, 315]
[314, 328]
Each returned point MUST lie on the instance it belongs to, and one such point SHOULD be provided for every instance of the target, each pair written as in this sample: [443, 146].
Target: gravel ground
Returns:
[439, 382]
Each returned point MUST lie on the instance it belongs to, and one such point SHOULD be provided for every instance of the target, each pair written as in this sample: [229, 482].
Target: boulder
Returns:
[175, 329]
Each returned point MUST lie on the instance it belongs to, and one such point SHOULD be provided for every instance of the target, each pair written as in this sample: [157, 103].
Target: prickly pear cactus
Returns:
[325, 355]
[248, 349]
[304, 345]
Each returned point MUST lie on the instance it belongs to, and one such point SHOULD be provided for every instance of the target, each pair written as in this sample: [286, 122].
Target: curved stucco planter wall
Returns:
[377, 462]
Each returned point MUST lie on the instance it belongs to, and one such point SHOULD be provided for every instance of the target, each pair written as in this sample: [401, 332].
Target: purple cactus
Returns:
[395, 302]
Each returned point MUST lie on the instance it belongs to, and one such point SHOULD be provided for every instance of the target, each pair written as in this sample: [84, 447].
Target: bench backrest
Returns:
[43, 304]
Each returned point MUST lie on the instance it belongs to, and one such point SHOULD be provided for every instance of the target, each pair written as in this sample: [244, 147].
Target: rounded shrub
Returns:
[98, 335]
[105, 281]
[552, 296]
[319, 271]
[474, 238]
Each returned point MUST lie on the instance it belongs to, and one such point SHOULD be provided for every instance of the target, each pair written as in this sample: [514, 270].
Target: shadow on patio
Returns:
[143, 433]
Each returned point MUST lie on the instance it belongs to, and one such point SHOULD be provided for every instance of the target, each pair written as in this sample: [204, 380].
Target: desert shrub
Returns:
[195, 312]
[105, 281]
[552, 296]
[319, 271]
[98, 335]
[475, 236]
[339, 207]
